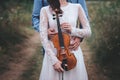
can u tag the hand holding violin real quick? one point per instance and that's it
(57, 66)
(66, 26)
(75, 40)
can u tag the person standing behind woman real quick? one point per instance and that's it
(38, 4)
(51, 68)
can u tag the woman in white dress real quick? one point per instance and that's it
(51, 68)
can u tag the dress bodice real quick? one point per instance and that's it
(67, 16)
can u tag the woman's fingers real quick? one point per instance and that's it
(66, 26)
(61, 69)
(58, 67)
(51, 32)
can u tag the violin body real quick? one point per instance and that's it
(67, 58)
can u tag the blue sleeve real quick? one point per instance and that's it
(36, 13)
(38, 4)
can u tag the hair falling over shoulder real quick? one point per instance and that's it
(55, 4)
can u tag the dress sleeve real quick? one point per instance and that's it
(44, 36)
(86, 30)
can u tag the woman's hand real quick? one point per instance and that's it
(57, 66)
(75, 40)
(66, 27)
(51, 32)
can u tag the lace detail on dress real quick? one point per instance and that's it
(70, 15)
(44, 36)
(86, 30)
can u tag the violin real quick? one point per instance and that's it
(61, 42)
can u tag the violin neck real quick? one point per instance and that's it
(61, 41)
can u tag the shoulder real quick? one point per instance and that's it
(44, 8)
(77, 5)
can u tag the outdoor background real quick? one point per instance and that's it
(20, 48)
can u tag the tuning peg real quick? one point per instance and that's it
(54, 18)
(53, 14)
(60, 15)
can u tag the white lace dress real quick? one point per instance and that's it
(71, 13)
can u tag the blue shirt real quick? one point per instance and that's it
(38, 4)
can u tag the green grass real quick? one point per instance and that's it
(105, 37)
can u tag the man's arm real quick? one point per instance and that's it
(36, 13)
(38, 4)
